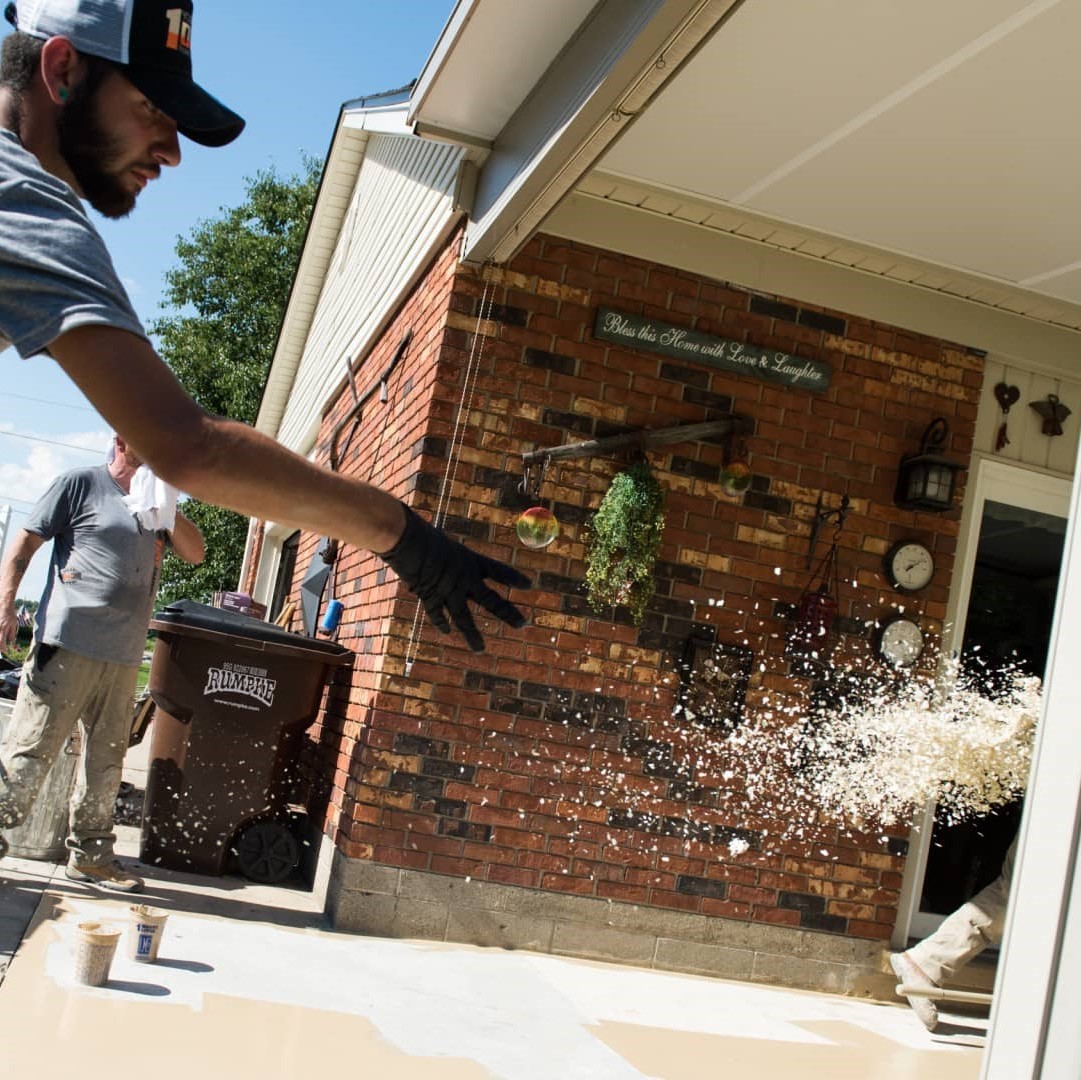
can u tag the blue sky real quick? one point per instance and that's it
(286, 68)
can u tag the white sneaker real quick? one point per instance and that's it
(909, 973)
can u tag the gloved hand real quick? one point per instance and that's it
(446, 574)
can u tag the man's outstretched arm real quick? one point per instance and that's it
(230, 464)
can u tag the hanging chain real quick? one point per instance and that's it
(465, 405)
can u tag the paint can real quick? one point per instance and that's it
(145, 932)
(331, 617)
(95, 946)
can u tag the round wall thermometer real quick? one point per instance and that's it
(900, 642)
(909, 566)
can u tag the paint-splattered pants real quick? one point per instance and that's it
(59, 689)
(969, 930)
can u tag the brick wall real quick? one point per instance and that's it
(552, 761)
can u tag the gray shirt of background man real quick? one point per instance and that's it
(104, 569)
(57, 272)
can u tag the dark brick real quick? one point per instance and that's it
(558, 583)
(568, 421)
(724, 834)
(759, 483)
(635, 819)
(558, 695)
(454, 808)
(462, 526)
(480, 680)
(465, 830)
(683, 466)
(700, 886)
(504, 313)
(852, 627)
(721, 402)
(690, 376)
(832, 924)
(571, 515)
(565, 365)
(669, 571)
(760, 305)
(774, 504)
(897, 846)
(448, 770)
(565, 714)
(417, 744)
(429, 483)
(606, 428)
(419, 785)
(532, 710)
(817, 321)
(802, 902)
(603, 704)
(431, 445)
(683, 791)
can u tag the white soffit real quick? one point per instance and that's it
(939, 133)
(487, 60)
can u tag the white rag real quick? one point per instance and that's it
(152, 501)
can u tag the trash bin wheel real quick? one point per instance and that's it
(267, 852)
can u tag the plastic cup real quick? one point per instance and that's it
(95, 946)
(144, 933)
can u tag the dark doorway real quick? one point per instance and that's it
(1007, 626)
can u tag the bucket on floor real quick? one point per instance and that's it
(95, 946)
(145, 931)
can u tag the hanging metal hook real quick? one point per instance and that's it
(821, 518)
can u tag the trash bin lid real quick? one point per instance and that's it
(187, 616)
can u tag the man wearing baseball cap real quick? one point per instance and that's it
(93, 96)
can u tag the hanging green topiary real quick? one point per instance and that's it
(624, 537)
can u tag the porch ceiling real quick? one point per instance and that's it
(923, 134)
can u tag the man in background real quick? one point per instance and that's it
(89, 637)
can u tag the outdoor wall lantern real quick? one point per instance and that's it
(926, 480)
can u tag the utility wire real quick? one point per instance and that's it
(46, 401)
(51, 442)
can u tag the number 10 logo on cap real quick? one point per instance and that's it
(179, 37)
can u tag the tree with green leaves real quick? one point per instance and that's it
(224, 305)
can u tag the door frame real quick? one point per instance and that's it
(990, 480)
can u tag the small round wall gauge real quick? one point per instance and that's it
(909, 566)
(900, 642)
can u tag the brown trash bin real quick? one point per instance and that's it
(233, 697)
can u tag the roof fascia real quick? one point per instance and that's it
(433, 67)
(616, 63)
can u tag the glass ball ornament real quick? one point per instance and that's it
(537, 527)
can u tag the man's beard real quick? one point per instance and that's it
(92, 153)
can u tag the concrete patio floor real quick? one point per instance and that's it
(251, 982)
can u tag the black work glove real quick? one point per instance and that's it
(446, 574)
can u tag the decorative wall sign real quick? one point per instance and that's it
(650, 335)
(713, 682)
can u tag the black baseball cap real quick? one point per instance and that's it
(150, 41)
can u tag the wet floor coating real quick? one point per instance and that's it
(245, 999)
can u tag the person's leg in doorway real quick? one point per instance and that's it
(963, 935)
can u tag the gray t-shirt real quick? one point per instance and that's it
(55, 271)
(104, 569)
